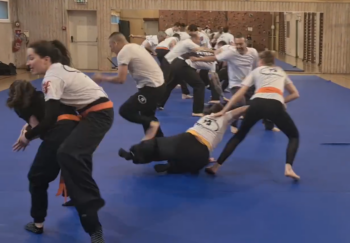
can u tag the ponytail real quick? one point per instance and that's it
(65, 55)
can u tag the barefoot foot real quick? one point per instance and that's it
(289, 172)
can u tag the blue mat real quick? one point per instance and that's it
(249, 201)
(287, 67)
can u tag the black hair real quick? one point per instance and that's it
(192, 27)
(20, 94)
(213, 108)
(177, 36)
(222, 43)
(57, 52)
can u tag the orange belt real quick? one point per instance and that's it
(269, 90)
(105, 105)
(162, 48)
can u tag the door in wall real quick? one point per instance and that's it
(83, 36)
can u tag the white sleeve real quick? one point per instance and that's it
(123, 58)
(288, 80)
(225, 55)
(248, 81)
(52, 88)
(190, 45)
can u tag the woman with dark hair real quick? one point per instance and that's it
(63, 84)
(202, 138)
(29, 105)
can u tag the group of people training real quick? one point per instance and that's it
(72, 113)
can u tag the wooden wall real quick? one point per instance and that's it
(237, 22)
(44, 19)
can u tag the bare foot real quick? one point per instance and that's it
(289, 172)
(214, 102)
(234, 130)
(212, 160)
(185, 97)
(275, 129)
(212, 170)
(152, 130)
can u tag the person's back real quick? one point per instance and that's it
(270, 82)
(211, 129)
(180, 49)
(142, 66)
(77, 89)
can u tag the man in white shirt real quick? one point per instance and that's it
(151, 41)
(166, 45)
(241, 60)
(226, 36)
(172, 30)
(171, 72)
(141, 107)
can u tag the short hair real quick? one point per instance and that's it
(177, 24)
(214, 108)
(267, 57)
(226, 29)
(162, 34)
(239, 35)
(176, 35)
(183, 25)
(192, 27)
(117, 36)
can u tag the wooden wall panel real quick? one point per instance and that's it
(44, 18)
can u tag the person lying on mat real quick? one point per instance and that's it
(202, 139)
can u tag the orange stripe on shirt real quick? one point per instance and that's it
(269, 90)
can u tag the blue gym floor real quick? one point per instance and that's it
(249, 201)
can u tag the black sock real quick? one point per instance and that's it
(32, 228)
(97, 236)
(125, 154)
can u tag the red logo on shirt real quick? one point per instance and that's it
(46, 86)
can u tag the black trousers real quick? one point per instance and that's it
(141, 107)
(169, 76)
(223, 76)
(45, 168)
(204, 75)
(75, 158)
(265, 109)
(182, 71)
(161, 54)
(183, 152)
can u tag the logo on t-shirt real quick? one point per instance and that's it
(46, 86)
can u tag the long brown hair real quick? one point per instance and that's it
(20, 94)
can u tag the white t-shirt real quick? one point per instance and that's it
(268, 77)
(170, 32)
(212, 129)
(181, 48)
(152, 40)
(184, 35)
(211, 66)
(70, 86)
(166, 43)
(227, 37)
(142, 66)
(238, 66)
(205, 42)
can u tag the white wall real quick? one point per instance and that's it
(293, 37)
(6, 33)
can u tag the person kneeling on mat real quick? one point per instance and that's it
(202, 138)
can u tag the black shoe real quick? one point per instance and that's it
(32, 228)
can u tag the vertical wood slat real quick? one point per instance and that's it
(44, 19)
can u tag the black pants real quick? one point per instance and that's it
(161, 54)
(223, 76)
(75, 158)
(141, 107)
(182, 71)
(169, 76)
(265, 109)
(183, 152)
(204, 75)
(45, 168)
